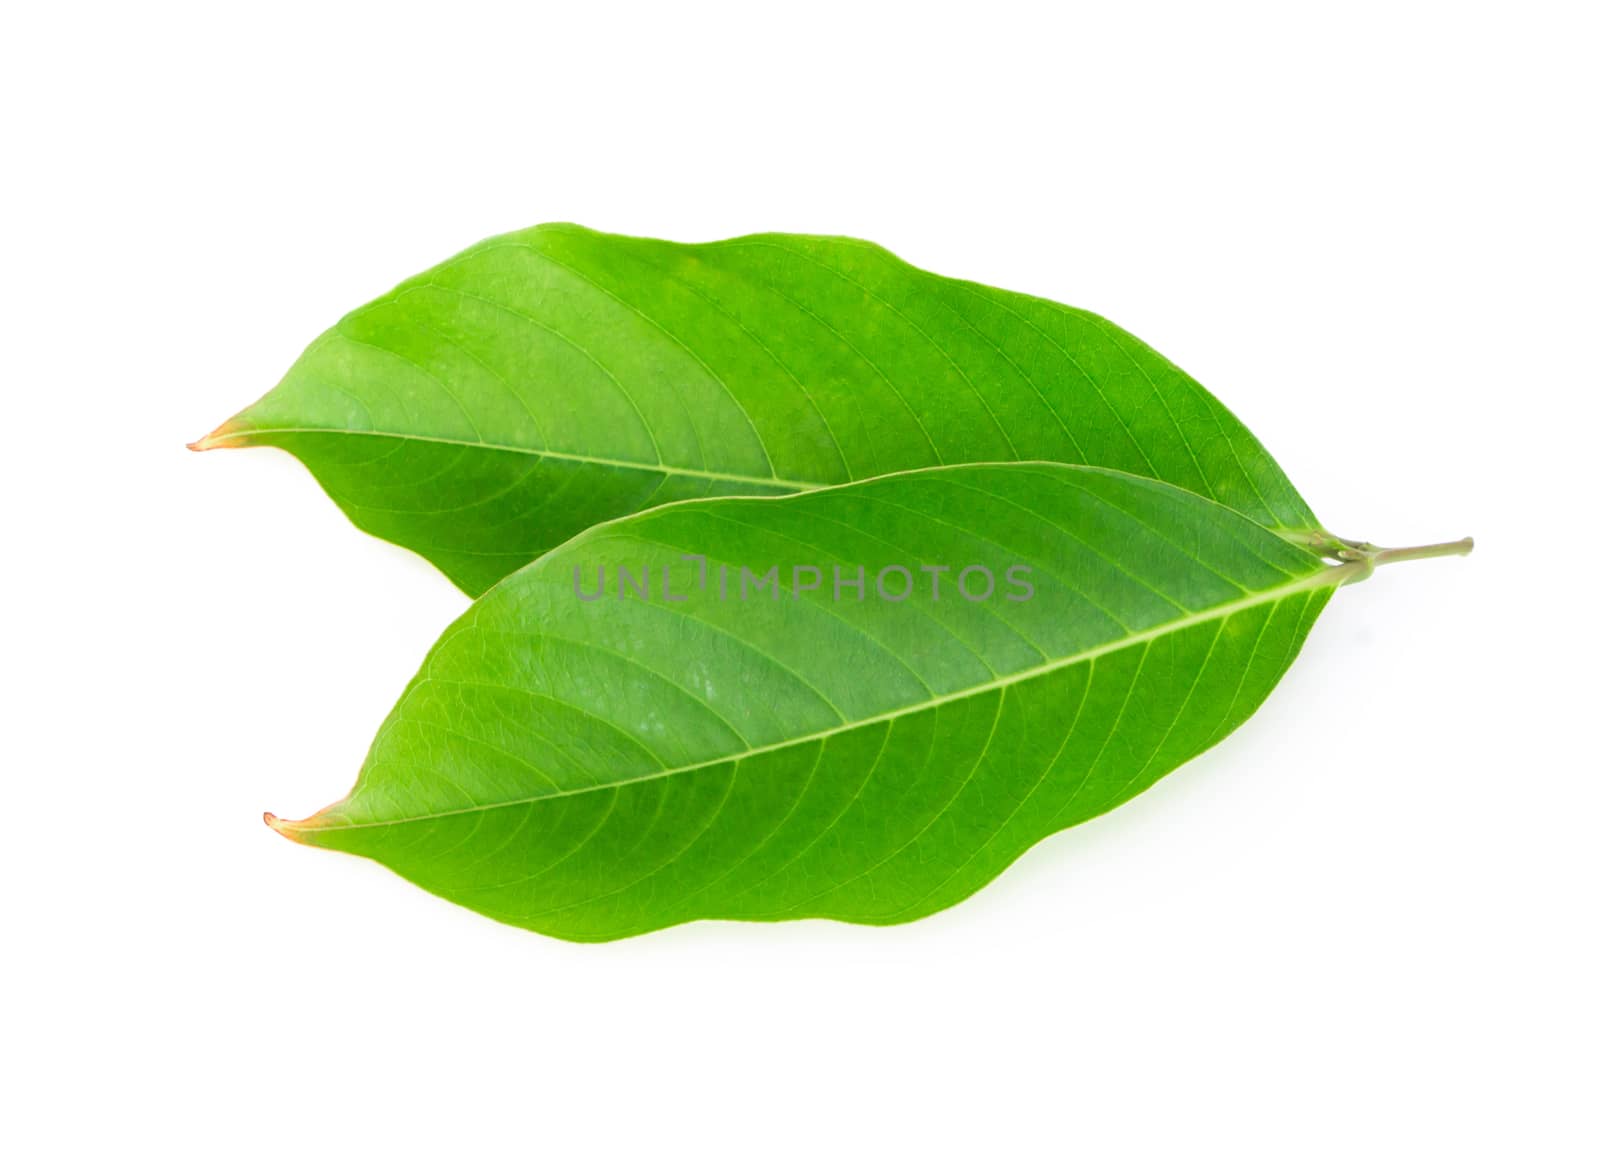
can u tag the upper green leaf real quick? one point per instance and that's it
(544, 381)
(711, 748)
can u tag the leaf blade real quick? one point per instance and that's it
(543, 381)
(593, 770)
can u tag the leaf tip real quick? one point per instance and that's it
(285, 828)
(216, 438)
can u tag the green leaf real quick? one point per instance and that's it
(548, 380)
(595, 769)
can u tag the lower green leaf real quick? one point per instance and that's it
(836, 737)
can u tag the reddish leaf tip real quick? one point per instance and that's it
(285, 828)
(214, 439)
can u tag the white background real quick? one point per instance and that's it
(1365, 924)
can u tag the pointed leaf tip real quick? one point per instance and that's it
(288, 829)
(214, 439)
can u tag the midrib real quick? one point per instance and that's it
(559, 455)
(1327, 576)
(1296, 535)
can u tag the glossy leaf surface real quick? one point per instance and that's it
(548, 380)
(595, 769)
